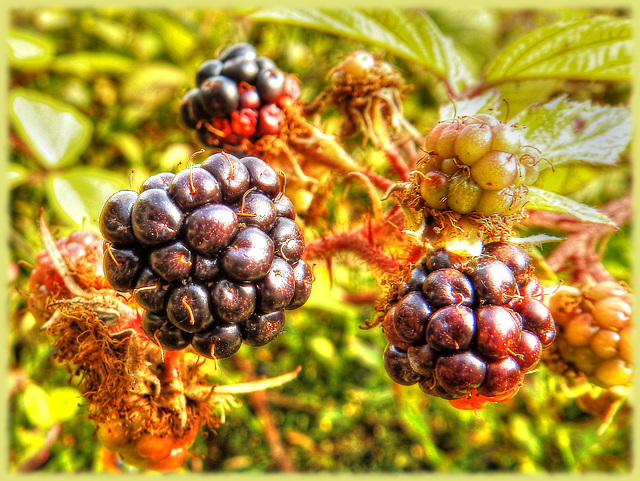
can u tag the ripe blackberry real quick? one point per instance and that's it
(595, 332)
(238, 97)
(476, 164)
(212, 254)
(464, 328)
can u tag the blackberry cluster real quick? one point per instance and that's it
(477, 164)
(212, 254)
(467, 329)
(595, 332)
(239, 97)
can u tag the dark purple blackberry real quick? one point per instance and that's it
(288, 239)
(493, 281)
(150, 291)
(411, 317)
(278, 286)
(241, 69)
(222, 340)
(163, 333)
(219, 96)
(269, 84)
(460, 327)
(192, 188)
(155, 218)
(259, 330)
(199, 256)
(238, 98)
(211, 228)
(241, 49)
(160, 181)
(446, 287)
(460, 372)
(233, 302)
(451, 328)
(121, 266)
(303, 279)
(208, 68)
(231, 174)
(172, 262)
(257, 210)
(396, 363)
(249, 257)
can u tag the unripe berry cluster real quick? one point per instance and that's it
(477, 164)
(158, 453)
(468, 329)
(239, 97)
(212, 254)
(82, 250)
(595, 331)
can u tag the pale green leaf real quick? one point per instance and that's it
(64, 403)
(56, 132)
(544, 200)
(488, 102)
(591, 48)
(410, 34)
(28, 51)
(153, 84)
(16, 174)
(88, 65)
(79, 194)
(179, 40)
(577, 131)
(35, 404)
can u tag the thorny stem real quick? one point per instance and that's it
(358, 241)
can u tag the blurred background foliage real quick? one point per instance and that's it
(115, 77)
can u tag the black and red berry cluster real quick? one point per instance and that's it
(212, 254)
(464, 327)
(239, 97)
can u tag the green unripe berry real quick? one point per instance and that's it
(434, 135)
(473, 142)
(464, 194)
(506, 138)
(529, 158)
(429, 163)
(450, 166)
(495, 171)
(495, 201)
(434, 188)
(446, 143)
(358, 64)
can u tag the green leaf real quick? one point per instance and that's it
(591, 48)
(16, 174)
(79, 194)
(153, 84)
(63, 403)
(410, 34)
(88, 65)
(179, 40)
(35, 404)
(488, 102)
(56, 132)
(544, 200)
(577, 131)
(29, 52)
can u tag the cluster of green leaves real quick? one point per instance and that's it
(95, 94)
